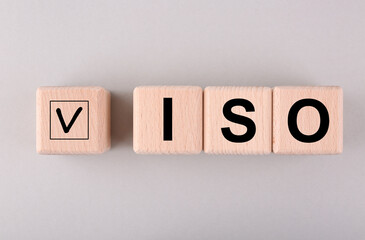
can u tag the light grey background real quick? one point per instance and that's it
(123, 44)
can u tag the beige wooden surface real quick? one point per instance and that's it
(214, 120)
(187, 119)
(308, 120)
(90, 132)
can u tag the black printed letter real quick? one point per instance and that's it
(251, 127)
(167, 119)
(293, 125)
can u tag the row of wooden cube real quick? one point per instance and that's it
(238, 120)
(187, 120)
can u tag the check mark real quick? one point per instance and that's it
(66, 129)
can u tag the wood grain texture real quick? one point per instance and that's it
(308, 120)
(214, 120)
(187, 119)
(90, 132)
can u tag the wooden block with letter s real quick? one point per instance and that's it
(73, 120)
(238, 120)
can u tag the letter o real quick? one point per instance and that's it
(293, 124)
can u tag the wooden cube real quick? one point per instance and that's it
(307, 120)
(73, 120)
(238, 120)
(167, 119)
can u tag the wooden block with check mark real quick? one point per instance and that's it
(73, 120)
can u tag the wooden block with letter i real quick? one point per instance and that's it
(167, 119)
(73, 120)
(307, 120)
(237, 120)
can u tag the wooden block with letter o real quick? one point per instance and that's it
(238, 120)
(307, 120)
(73, 120)
(167, 119)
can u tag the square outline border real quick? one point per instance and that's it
(50, 117)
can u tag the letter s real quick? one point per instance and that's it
(229, 115)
